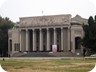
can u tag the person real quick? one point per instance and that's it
(84, 52)
(3, 59)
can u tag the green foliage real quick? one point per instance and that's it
(89, 40)
(5, 24)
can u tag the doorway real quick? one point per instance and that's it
(77, 43)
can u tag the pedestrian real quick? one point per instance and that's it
(84, 52)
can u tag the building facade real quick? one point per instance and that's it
(38, 34)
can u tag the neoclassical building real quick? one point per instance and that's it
(38, 34)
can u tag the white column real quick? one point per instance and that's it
(20, 40)
(34, 40)
(13, 49)
(26, 40)
(62, 38)
(68, 38)
(8, 46)
(48, 40)
(72, 41)
(41, 40)
(55, 36)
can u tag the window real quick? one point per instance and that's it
(17, 47)
(10, 45)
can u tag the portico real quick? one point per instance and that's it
(42, 39)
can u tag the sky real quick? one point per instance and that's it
(26, 8)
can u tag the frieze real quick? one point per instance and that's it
(45, 20)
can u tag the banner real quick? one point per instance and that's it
(54, 48)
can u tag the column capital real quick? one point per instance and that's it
(40, 29)
(26, 29)
(33, 29)
(20, 30)
(54, 28)
(69, 28)
(61, 27)
(47, 28)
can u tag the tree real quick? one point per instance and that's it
(5, 24)
(89, 40)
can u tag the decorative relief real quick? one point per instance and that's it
(42, 21)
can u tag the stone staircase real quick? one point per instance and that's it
(62, 54)
(44, 54)
(18, 54)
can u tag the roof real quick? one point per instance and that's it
(79, 19)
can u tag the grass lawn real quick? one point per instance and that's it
(52, 65)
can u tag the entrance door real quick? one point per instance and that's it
(77, 43)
